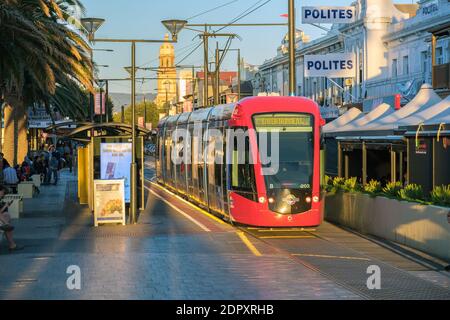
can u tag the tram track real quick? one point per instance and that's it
(336, 262)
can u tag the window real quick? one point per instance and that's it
(394, 68)
(423, 61)
(439, 56)
(293, 167)
(406, 65)
(242, 171)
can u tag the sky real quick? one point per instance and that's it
(142, 19)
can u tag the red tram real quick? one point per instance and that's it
(232, 180)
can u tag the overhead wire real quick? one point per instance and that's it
(211, 10)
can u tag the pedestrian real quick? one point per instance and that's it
(5, 223)
(46, 160)
(10, 176)
(53, 168)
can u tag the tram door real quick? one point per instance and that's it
(201, 169)
(168, 162)
(215, 167)
(197, 165)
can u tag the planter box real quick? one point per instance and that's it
(423, 227)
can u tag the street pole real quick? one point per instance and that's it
(106, 102)
(205, 68)
(292, 82)
(101, 105)
(122, 118)
(133, 204)
(217, 75)
(239, 75)
(92, 96)
(145, 113)
(167, 104)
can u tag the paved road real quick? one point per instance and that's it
(178, 252)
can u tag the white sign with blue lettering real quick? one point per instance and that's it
(333, 65)
(328, 14)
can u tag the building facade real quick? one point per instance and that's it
(392, 48)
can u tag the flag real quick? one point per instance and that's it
(284, 15)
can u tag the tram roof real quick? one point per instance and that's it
(217, 113)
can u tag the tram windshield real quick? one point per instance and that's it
(290, 135)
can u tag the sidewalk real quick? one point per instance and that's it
(43, 216)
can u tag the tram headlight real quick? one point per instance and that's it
(271, 200)
(262, 199)
(316, 199)
(308, 199)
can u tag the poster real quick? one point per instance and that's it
(109, 201)
(97, 103)
(115, 160)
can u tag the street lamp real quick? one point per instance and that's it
(174, 26)
(92, 25)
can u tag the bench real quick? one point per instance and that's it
(16, 207)
(26, 189)
(36, 178)
(12, 188)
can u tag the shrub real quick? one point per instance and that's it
(373, 187)
(441, 195)
(338, 182)
(411, 192)
(392, 189)
(351, 184)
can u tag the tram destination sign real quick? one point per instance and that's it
(267, 121)
(328, 14)
(333, 65)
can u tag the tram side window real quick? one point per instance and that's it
(243, 175)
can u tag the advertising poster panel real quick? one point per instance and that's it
(97, 104)
(109, 201)
(115, 160)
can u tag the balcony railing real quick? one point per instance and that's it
(441, 76)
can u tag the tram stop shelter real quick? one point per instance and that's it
(373, 146)
(429, 150)
(90, 137)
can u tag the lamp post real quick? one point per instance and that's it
(166, 88)
(292, 80)
(91, 26)
(101, 84)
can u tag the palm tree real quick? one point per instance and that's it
(44, 60)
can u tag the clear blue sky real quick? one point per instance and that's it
(141, 19)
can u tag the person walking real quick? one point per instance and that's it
(53, 168)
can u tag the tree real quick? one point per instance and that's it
(152, 113)
(43, 61)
